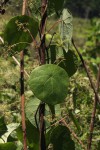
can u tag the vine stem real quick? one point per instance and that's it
(86, 69)
(22, 87)
(42, 50)
(89, 144)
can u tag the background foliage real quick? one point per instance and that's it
(78, 104)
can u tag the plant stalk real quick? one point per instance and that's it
(22, 87)
(86, 69)
(42, 61)
(89, 144)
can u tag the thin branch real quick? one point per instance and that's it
(34, 41)
(1, 39)
(17, 62)
(24, 7)
(98, 79)
(57, 122)
(89, 144)
(55, 24)
(86, 69)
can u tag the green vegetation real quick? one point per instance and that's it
(58, 114)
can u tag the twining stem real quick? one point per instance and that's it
(86, 69)
(42, 126)
(42, 50)
(93, 114)
(22, 87)
(42, 30)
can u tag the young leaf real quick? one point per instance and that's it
(19, 31)
(49, 83)
(3, 127)
(66, 28)
(61, 140)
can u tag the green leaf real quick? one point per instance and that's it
(17, 32)
(81, 95)
(55, 111)
(74, 119)
(3, 127)
(53, 53)
(19, 134)
(69, 63)
(61, 140)
(31, 107)
(55, 6)
(52, 109)
(32, 135)
(11, 139)
(98, 146)
(8, 146)
(48, 136)
(66, 28)
(49, 83)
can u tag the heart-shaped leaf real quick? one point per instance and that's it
(55, 6)
(69, 62)
(49, 83)
(31, 108)
(19, 31)
(66, 28)
(61, 140)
